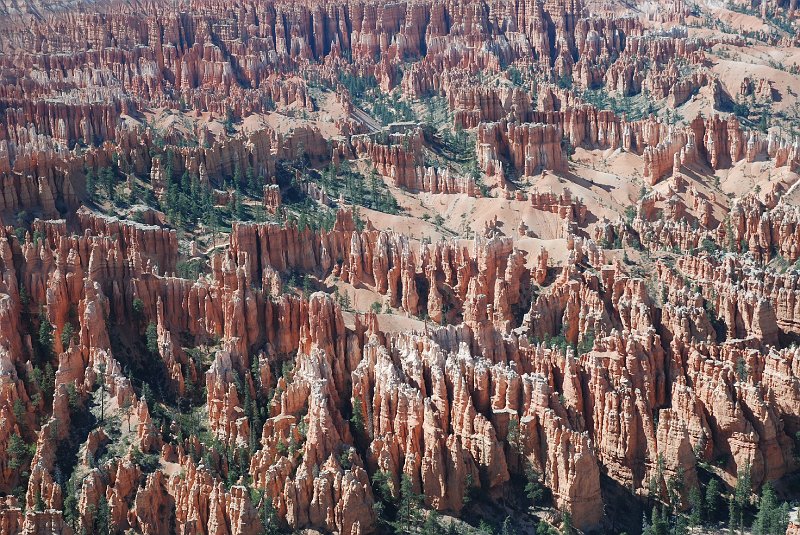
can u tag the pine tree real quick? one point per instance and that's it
(733, 514)
(101, 383)
(385, 505)
(409, 510)
(431, 525)
(138, 309)
(252, 182)
(126, 408)
(151, 336)
(18, 409)
(240, 212)
(108, 180)
(357, 418)
(45, 337)
(269, 517)
(49, 381)
(659, 524)
(534, 490)
(373, 182)
(484, 528)
(233, 206)
(18, 453)
(24, 298)
(771, 518)
(696, 503)
(680, 526)
(212, 221)
(102, 518)
(566, 523)
(66, 335)
(133, 194)
(741, 495)
(515, 436)
(229, 120)
(237, 176)
(71, 514)
(91, 184)
(712, 501)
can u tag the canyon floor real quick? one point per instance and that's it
(353, 267)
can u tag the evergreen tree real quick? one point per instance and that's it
(659, 524)
(410, 507)
(373, 183)
(19, 412)
(240, 209)
(45, 337)
(733, 514)
(252, 182)
(102, 517)
(24, 298)
(680, 526)
(91, 184)
(696, 503)
(108, 180)
(71, 514)
(385, 505)
(740, 499)
(534, 490)
(101, 383)
(18, 452)
(237, 176)
(484, 528)
(151, 336)
(566, 523)
(138, 309)
(713, 503)
(212, 221)
(49, 381)
(66, 335)
(269, 517)
(357, 418)
(133, 194)
(515, 437)
(431, 525)
(772, 518)
(229, 120)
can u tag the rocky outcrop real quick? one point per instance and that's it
(528, 148)
(630, 345)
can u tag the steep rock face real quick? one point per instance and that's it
(529, 148)
(398, 159)
(272, 198)
(473, 106)
(437, 407)
(766, 231)
(155, 244)
(564, 205)
(436, 180)
(748, 307)
(225, 413)
(415, 428)
(153, 506)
